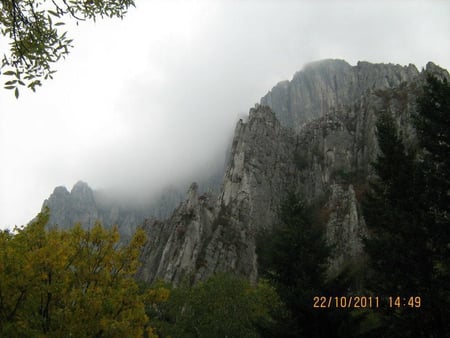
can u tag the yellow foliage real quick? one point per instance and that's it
(151, 333)
(70, 283)
(157, 295)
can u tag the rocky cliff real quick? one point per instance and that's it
(329, 84)
(314, 134)
(86, 206)
(205, 235)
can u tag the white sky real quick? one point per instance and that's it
(147, 101)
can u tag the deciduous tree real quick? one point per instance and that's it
(77, 283)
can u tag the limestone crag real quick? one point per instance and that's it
(83, 205)
(260, 168)
(329, 84)
(175, 245)
(322, 147)
(86, 206)
(220, 235)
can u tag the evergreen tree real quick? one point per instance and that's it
(433, 129)
(293, 257)
(398, 246)
(408, 218)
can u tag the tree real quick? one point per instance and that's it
(297, 249)
(76, 283)
(293, 256)
(433, 130)
(36, 40)
(408, 221)
(397, 246)
(225, 305)
(432, 123)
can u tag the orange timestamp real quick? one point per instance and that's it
(365, 302)
(345, 302)
(413, 302)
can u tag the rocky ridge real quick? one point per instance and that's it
(86, 206)
(315, 133)
(329, 84)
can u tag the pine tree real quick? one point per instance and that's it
(407, 215)
(398, 245)
(293, 257)
(393, 207)
(432, 123)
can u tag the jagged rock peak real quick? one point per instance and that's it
(192, 195)
(81, 188)
(327, 84)
(82, 193)
(262, 112)
(434, 69)
(325, 64)
(193, 188)
(60, 190)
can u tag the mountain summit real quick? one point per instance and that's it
(328, 84)
(314, 134)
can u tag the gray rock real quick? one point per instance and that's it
(314, 134)
(322, 147)
(86, 206)
(329, 84)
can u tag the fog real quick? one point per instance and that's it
(152, 100)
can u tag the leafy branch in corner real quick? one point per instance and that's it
(36, 39)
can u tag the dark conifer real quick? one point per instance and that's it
(433, 129)
(294, 256)
(407, 212)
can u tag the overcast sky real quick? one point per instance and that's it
(147, 101)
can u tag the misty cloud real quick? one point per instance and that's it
(153, 100)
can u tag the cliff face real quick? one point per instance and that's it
(86, 206)
(330, 84)
(83, 205)
(322, 147)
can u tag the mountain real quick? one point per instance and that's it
(328, 84)
(315, 134)
(86, 206)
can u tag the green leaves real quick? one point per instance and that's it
(69, 283)
(9, 73)
(36, 42)
(223, 306)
